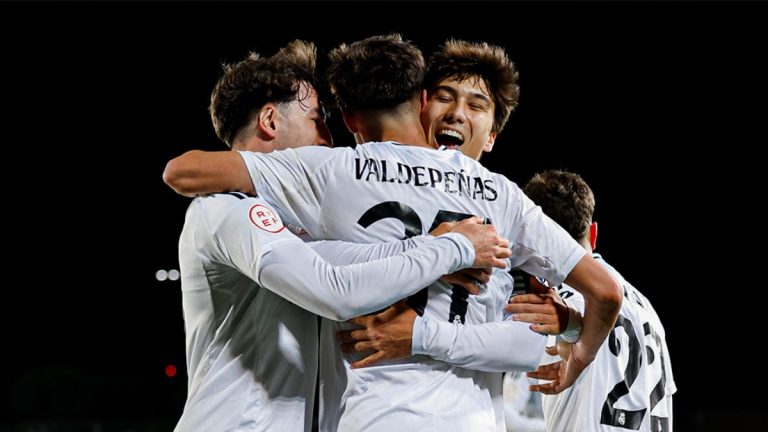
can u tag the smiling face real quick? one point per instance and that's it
(459, 115)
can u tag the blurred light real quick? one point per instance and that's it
(161, 275)
(173, 274)
(170, 371)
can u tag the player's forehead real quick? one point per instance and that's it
(472, 85)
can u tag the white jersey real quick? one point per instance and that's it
(252, 354)
(522, 407)
(386, 191)
(629, 385)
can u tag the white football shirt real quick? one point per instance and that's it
(386, 191)
(252, 354)
(629, 385)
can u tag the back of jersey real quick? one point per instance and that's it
(629, 385)
(383, 192)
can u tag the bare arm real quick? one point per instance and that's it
(198, 172)
(603, 296)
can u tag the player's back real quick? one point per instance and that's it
(386, 191)
(629, 385)
(251, 355)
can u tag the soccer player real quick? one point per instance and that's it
(384, 190)
(246, 280)
(629, 385)
(471, 91)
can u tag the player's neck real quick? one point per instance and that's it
(407, 132)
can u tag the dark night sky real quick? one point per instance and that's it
(655, 104)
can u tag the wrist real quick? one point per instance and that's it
(572, 331)
(580, 355)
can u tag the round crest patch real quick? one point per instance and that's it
(265, 218)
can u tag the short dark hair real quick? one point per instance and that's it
(249, 84)
(462, 60)
(376, 73)
(565, 197)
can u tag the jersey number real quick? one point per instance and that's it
(628, 419)
(413, 226)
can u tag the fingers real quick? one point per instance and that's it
(542, 308)
(470, 286)
(548, 388)
(547, 372)
(368, 361)
(491, 256)
(544, 329)
(528, 298)
(352, 336)
(482, 275)
(361, 321)
(459, 278)
(344, 336)
(472, 220)
(490, 249)
(534, 318)
(350, 347)
(389, 313)
(443, 228)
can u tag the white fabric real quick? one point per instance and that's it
(522, 408)
(497, 344)
(581, 406)
(385, 191)
(252, 355)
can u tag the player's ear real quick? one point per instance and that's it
(593, 235)
(268, 120)
(491, 141)
(349, 121)
(423, 101)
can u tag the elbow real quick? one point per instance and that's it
(343, 309)
(612, 295)
(177, 176)
(337, 312)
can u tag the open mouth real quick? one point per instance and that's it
(449, 138)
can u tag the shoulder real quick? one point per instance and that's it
(228, 210)
(221, 204)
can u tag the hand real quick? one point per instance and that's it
(388, 334)
(547, 313)
(443, 228)
(562, 373)
(490, 249)
(469, 278)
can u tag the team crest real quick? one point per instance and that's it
(265, 218)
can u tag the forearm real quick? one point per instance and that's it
(345, 253)
(342, 292)
(199, 172)
(493, 347)
(602, 295)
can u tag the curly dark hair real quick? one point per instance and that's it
(463, 60)
(565, 197)
(376, 73)
(249, 84)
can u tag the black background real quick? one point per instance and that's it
(658, 105)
